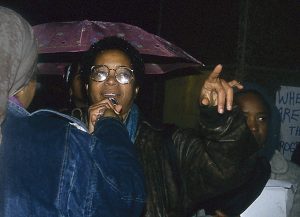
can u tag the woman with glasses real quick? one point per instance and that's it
(111, 85)
(183, 167)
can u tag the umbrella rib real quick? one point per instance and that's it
(81, 33)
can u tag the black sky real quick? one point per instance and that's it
(206, 29)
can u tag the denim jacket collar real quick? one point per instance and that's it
(17, 109)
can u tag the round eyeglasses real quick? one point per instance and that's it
(100, 73)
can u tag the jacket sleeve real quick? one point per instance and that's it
(117, 165)
(217, 158)
(236, 201)
(101, 174)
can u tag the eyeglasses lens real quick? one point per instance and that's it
(122, 74)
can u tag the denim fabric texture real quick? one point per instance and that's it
(51, 168)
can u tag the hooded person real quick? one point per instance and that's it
(264, 120)
(49, 164)
(272, 141)
(18, 56)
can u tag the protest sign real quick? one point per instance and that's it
(288, 104)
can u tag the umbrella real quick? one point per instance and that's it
(58, 42)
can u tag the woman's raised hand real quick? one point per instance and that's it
(104, 108)
(217, 91)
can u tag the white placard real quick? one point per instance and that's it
(275, 200)
(288, 103)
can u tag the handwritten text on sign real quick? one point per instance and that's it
(288, 103)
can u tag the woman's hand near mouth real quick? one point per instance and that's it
(104, 108)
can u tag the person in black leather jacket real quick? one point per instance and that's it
(183, 167)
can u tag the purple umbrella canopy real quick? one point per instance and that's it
(78, 36)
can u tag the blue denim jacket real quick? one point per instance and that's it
(51, 168)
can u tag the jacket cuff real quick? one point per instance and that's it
(107, 122)
(209, 115)
(213, 124)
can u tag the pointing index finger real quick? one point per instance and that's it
(215, 73)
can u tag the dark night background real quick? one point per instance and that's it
(257, 39)
(209, 30)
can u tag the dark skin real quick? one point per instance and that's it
(26, 93)
(256, 115)
(97, 91)
(215, 91)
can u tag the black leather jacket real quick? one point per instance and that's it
(186, 167)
